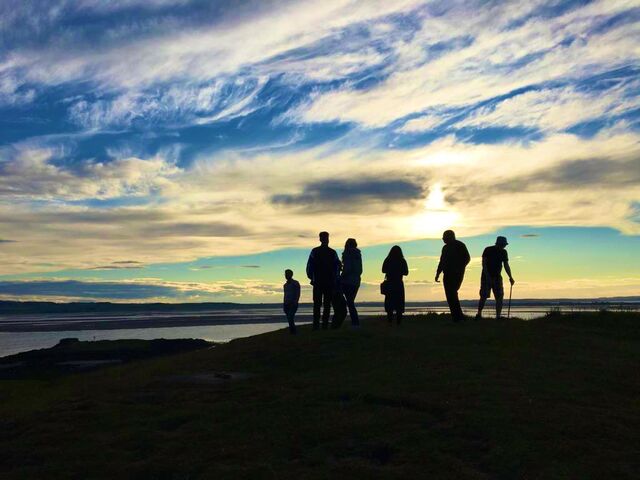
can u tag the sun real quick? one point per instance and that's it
(436, 217)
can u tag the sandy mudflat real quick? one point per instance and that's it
(46, 323)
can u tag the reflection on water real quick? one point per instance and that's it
(243, 323)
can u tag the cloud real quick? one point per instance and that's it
(352, 195)
(32, 172)
(220, 99)
(183, 47)
(512, 48)
(183, 230)
(529, 235)
(556, 108)
(221, 267)
(120, 266)
(420, 124)
(234, 204)
(584, 173)
(139, 290)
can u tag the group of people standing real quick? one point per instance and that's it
(336, 281)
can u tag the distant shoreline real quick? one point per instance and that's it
(8, 307)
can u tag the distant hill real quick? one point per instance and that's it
(15, 307)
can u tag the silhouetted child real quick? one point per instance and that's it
(291, 299)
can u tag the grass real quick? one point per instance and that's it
(553, 398)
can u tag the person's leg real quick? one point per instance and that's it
(350, 292)
(291, 314)
(485, 290)
(498, 306)
(451, 294)
(459, 280)
(327, 295)
(390, 316)
(481, 304)
(498, 294)
(317, 302)
(398, 317)
(339, 309)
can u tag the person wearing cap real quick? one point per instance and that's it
(453, 261)
(493, 258)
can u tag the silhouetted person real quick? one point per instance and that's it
(291, 299)
(323, 268)
(493, 258)
(350, 278)
(453, 260)
(394, 267)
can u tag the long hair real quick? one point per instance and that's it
(350, 243)
(395, 253)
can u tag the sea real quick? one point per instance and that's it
(23, 332)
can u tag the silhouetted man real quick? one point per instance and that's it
(493, 258)
(323, 268)
(453, 260)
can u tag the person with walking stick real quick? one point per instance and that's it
(493, 258)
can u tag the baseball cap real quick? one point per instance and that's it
(502, 241)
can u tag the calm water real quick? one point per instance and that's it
(216, 326)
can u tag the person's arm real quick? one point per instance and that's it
(297, 291)
(485, 269)
(384, 266)
(405, 268)
(338, 264)
(440, 265)
(310, 267)
(467, 257)
(507, 269)
(347, 265)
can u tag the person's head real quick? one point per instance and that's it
(288, 274)
(395, 253)
(448, 236)
(350, 243)
(501, 242)
(324, 238)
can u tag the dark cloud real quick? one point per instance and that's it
(100, 217)
(352, 194)
(117, 267)
(221, 267)
(213, 229)
(4, 240)
(579, 173)
(71, 289)
(529, 235)
(571, 175)
(76, 289)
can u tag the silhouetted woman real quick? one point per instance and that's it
(394, 267)
(350, 278)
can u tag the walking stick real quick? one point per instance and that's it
(509, 307)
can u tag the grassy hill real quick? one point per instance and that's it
(554, 398)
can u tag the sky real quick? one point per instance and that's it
(191, 150)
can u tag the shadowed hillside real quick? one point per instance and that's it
(550, 398)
